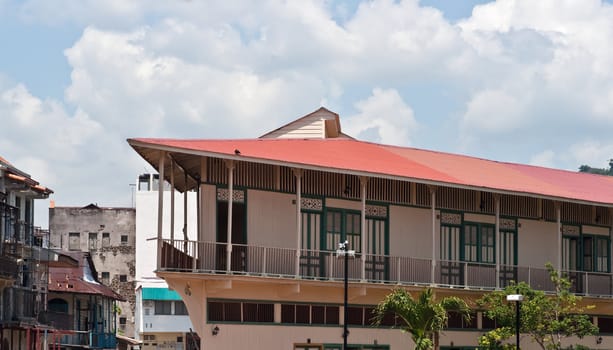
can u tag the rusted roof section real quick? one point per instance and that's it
(74, 275)
(4, 161)
(371, 159)
(19, 176)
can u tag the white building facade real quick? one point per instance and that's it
(161, 318)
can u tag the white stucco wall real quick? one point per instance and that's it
(146, 227)
(411, 232)
(271, 219)
(537, 243)
(208, 212)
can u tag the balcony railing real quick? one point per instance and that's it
(91, 340)
(20, 304)
(57, 320)
(8, 267)
(178, 255)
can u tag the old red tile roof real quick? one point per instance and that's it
(19, 176)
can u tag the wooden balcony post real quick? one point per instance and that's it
(298, 175)
(363, 233)
(558, 208)
(185, 237)
(172, 201)
(433, 208)
(230, 165)
(160, 207)
(201, 214)
(497, 239)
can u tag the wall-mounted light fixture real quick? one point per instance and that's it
(215, 330)
(598, 340)
(188, 289)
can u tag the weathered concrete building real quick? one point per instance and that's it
(23, 260)
(108, 235)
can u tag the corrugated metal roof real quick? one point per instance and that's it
(365, 158)
(72, 276)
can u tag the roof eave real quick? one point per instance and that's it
(163, 148)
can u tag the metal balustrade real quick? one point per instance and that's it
(178, 255)
(91, 340)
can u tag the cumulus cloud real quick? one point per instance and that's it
(593, 153)
(545, 158)
(68, 152)
(131, 87)
(494, 111)
(383, 117)
(519, 80)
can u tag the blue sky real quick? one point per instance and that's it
(510, 80)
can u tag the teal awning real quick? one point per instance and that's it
(160, 294)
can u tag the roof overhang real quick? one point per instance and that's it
(544, 183)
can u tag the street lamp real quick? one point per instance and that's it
(342, 251)
(517, 298)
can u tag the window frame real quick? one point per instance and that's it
(74, 238)
(162, 307)
(484, 234)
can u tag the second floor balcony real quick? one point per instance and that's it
(83, 339)
(8, 268)
(253, 260)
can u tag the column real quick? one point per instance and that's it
(230, 166)
(433, 208)
(364, 231)
(185, 237)
(558, 207)
(160, 207)
(497, 238)
(172, 201)
(298, 175)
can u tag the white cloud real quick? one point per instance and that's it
(545, 158)
(494, 111)
(593, 153)
(130, 87)
(535, 71)
(566, 43)
(383, 117)
(70, 153)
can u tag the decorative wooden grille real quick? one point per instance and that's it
(455, 198)
(386, 190)
(518, 206)
(422, 197)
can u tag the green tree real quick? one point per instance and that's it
(547, 319)
(600, 171)
(422, 318)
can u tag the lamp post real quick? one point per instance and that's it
(517, 298)
(342, 251)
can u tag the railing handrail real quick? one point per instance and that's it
(322, 264)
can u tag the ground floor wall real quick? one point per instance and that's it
(202, 296)
(163, 341)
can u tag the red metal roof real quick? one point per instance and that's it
(366, 158)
